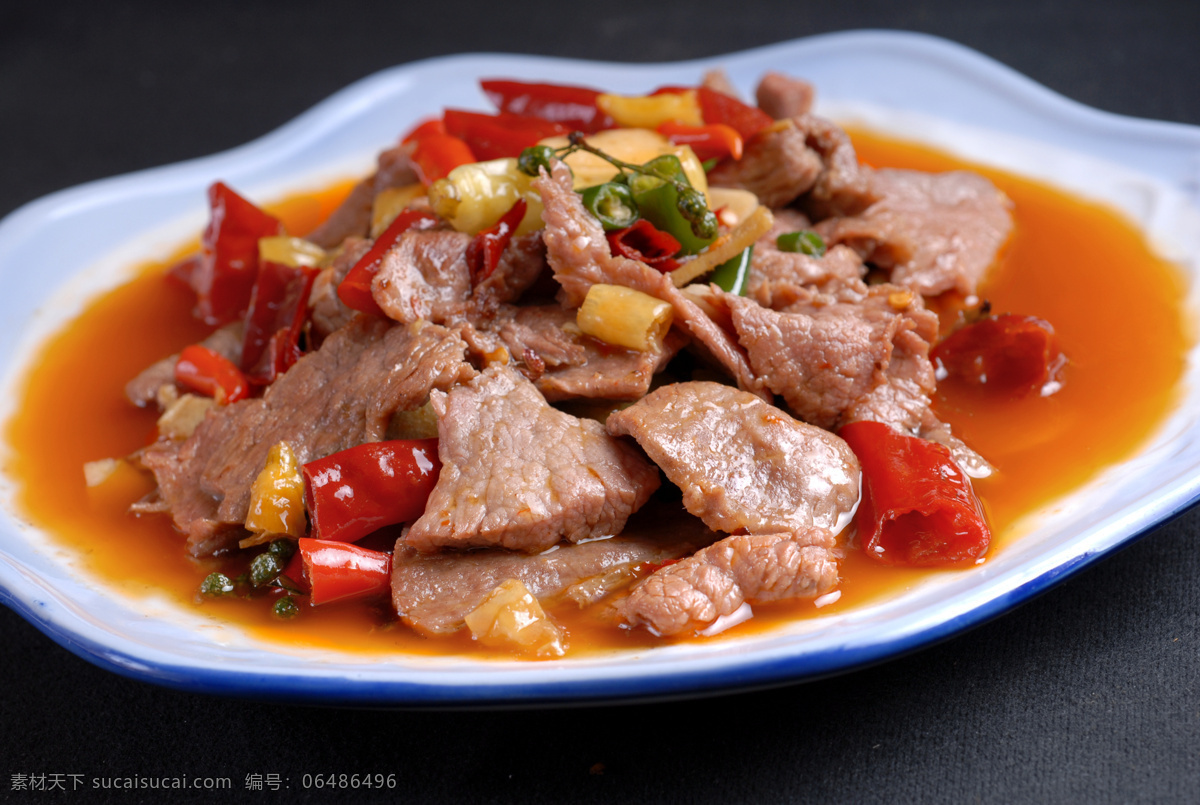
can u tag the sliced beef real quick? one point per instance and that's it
(843, 188)
(521, 265)
(547, 476)
(823, 352)
(580, 257)
(716, 581)
(142, 391)
(424, 276)
(743, 464)
(772, 267)
(777, 166)
(782, 96)
(394, 168)
(342, 395)
(433, 592)
(328, 311)
(934, 232)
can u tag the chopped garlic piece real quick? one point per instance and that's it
(510, 617)
(184, 415)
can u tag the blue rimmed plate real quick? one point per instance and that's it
(913, 86)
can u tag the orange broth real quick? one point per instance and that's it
(1079, 265)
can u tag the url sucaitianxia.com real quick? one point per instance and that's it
(59, 781)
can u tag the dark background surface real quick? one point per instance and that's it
(1090, 692)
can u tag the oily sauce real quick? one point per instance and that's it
(1116, 307)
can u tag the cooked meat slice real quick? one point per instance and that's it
(772, 267)
(777, 166)
(579, 255)
(142, 391)
(843, 187)
(328, 311)
(782, 96)
(433, 592)
(718, 80)
(337, 397)
(521, 265)
(743, 464)
(823, 354)
(394, 168)
(934, 232)
(547, 476)
(717, 580)
(424, 276)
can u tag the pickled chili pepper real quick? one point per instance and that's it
(337, 571)
(573, 107)
(734, 274)
(717, 107)
(355, 289)
(1006, 355)
(485, 249)
(353, 492)
(432, 126)
(612, 203)
(918, 507)
(710, 141)
(660, 201)
(223, 276)
(646, 243)
(501, 135)
(275, 320)
(206, 372)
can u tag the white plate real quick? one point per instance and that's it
(913, 85)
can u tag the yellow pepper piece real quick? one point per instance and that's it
(651, 111)
(624, 317)
(474, 197)
(277, 497)
(294, 252)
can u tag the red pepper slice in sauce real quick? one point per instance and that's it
(1009, 355)
(337, 571)
(355, 289)
(206, 372)
(573, 107)
(224, 275)
(645, 242)
(918, 508)
(484, 251)
(275, 320)
(710, 141)
(500, 135)
(719, 108)
(353, 492)
(438, 154)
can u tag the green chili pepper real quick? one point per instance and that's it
(264, 569)
(805, 241)
(734, 273)
(216, 584)
(286, 608)
(612, 204)
(658, 201)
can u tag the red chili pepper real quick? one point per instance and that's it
(438, 154)
(645, 242)
(353, 492)
(573, 107)
(224, 276)
(355, 289)
(275, 320)
(1010, 355)
(203, 371)
(711, 141)
(432, 126)
(484, 251)
(501, 135)
(917, 508)
(338, 572)
(717, 107)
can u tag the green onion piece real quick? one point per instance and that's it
(264, 569)
(216, 584)
(805, 241)
(286, 608)
(612, 204)
(733, 275)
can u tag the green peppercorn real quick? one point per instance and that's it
(215, 585)
(805, 241)
(286, 608)
(533, 158)
(283, 548)
(264, 569)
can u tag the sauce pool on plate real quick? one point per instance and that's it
(1115, 306)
